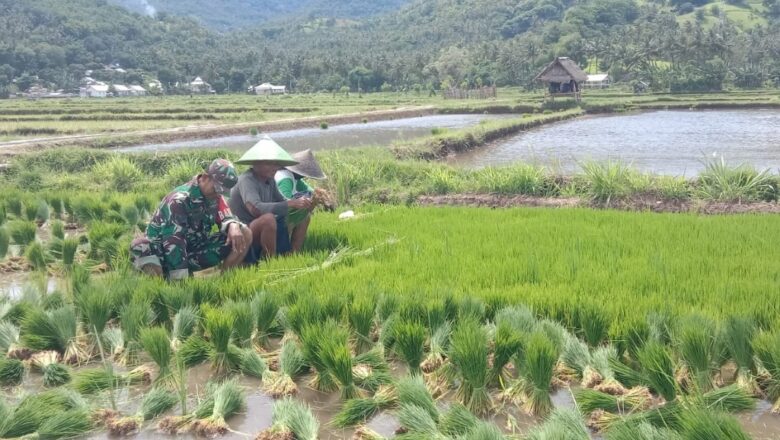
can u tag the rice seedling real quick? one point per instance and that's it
(195, 350)
(409, 344)
(14, 204)
(506, 344)
(471, 308)
(291, 364)
(66, 424)
(228, 400)
(131, 215)
(575, 355)
(469, 355)
(291, 419)
(387, 332)
(701, 424)
(371, 371)
(42, 212)
(243, 322)
(54, 373)
(133, 317)
(358, 410)
(419, 422)
(738, 334)
(157, 344)
(181, 424)
(94, 380)
(95, 309)
(69, 248)
(439, 344)
(658, 370)
(695, 340)
(58, 229)
(155, 402)
(457, 420)
(10, 345)
(601, 359)
(53, 330)
(313, 340)
(412, 391)
(219, 326)
(642, 430)
(484, 431)
(338, 360)
(766, 346)
(361, 320)
(5, 241)
(266, 309)
(11, 372)
(625, 374)
(593, 324)
(185, 321)
(251, 364)
(562, 423)
(35, 255)
(732, 398)
(537, 371)
(589, 401)
(31, 412)
(22, 232)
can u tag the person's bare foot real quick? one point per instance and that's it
(152, 270)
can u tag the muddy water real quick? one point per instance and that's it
(664, 142)
(379, 133)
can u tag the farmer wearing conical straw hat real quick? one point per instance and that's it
(291, 184)
(257, 202)
(179, 240)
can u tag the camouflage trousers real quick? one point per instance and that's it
(168, 255)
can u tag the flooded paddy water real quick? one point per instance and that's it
(664, 142)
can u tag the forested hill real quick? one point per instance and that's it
(226, 15)
(670, 44)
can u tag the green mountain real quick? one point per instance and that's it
(232, 14)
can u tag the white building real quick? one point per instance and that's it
(269, 89)
(121, 90)
(597, 81)
(96, 90)
(199, 86)
(137, 91)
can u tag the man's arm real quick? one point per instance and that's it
(255, 205)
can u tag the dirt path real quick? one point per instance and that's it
(11, 148)
(642, 203)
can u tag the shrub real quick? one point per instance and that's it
(179, 173)
(324, 125)
(119, 172)
(719, 181)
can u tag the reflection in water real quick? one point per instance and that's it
(379, 133)
(664, 142)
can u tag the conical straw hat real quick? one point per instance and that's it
(307, 165)
(266, 150)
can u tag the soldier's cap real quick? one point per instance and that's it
(224, 175)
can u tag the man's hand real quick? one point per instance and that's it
(235, 238)
(301, 203)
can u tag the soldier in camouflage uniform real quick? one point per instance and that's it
(193, 228)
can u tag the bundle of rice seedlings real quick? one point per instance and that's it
(469, 356)
(387, 333)
(625, 374)
(10, 345)
(695, 340)
(576, 356)
(93, 381)
(22, 233)
(766, 346)
(243, 322)
(439, 344)
(155, 402)
(306, 311)
(457, 420)
(658, 369)
(601, 359)
(702, 424)
(418, 423)
(592, 400)
(484, 431)
(537, 371)
(228, 400)
(291, 365)
(313, 340)
(185, 321)
(593, 324)
(266, 308)
(181, 424)
(732, 398)
(409, 344)
(338, 361)
(291, 420)
(67, 424)
(361, 320)
(33, 410)
(219, 326)
(53, 330)
(156, 343)
(436, 311)
(5, 241)
(471, 308)
(58, 229)
(370, 370)
(54, 373)
(133, 317)
(195, 350)
(365, 433)
(11, 371)
(69, 248)
(412, 391)
(35, 255)
(562, 423)
(359, 410)
(738, 334)
(506, 344)
(250, 363)
(640, 430)
(95, 309)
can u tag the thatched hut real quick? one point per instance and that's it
(563, 78)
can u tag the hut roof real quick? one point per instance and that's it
(562, 69)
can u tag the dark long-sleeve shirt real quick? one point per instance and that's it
(263, 195)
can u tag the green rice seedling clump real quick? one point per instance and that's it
(291, 364)
(58, 229)
(195, 350)
(54, 373)
(537, 372)
(640, 430)
(469, 355)
(409, 344)
(67, 424)
(229, 398)
(359, 410)
(266, 309)
(701, 424)
(53, 330)
(695, 340)
(658, 370)
(766, 346)
(507, 343)
(738, 334)
(155, 403)
(219, 326)
(5, 241)
(291, 419)
(251, 364)
(412, 391)
(418, 422)
(243, 322)
(314, 339)
(361, 319)
(11, 372)
(185, 322)
(562, 423)
(36, 256)
(457, 420)
(338, 360)
(22, 232)
(157, 344)
(134, 317)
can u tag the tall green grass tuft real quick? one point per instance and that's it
(541, 355)
(121, 173)
(11, 372)
(696, 342)
(608, 181)
(507, 344)
(292, 419)
(409, 344)
(469, 355)
(157, 344)
(743, 183)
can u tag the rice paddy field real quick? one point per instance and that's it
(403, 321)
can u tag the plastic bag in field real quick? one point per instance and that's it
(347, 215)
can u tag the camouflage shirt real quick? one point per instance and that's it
(185, 218)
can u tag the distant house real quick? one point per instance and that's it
(597, 81)
(269, 89)
(563, 78)
(199, 86)
(137, 91)
(96, 90)
(121, 90)
(154, 84)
